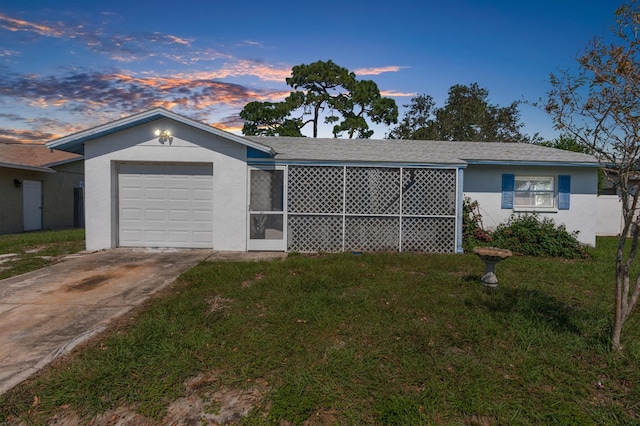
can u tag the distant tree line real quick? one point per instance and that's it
(325, 92)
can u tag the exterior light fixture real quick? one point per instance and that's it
(164, 136)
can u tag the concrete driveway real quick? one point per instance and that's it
(45, 313)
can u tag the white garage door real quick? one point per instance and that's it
(165, 205)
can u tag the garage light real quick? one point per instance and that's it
(164, 135)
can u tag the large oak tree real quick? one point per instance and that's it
(466, 116)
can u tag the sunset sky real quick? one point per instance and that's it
(69, 65)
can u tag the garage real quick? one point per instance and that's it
(165, 205)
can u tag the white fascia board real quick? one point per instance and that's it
(264, 162)
(531, 163)
(24, 167)
(70, 160)
(217, 132)
(75, 142)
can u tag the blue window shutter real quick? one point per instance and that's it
(564, 192)
(508, 184)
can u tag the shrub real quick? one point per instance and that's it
(473, 233)
(529, 235)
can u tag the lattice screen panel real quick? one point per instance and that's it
(372, 191)
(428, 234)
(363, 205)
(369, 233)
(315, 189)
(429, 192)
(315, 233)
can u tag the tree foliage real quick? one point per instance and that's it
(466, 116)
(599, 106)
(272, 118)
(567, 143)
(322, 91)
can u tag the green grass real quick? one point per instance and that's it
(38, 249)
(371, 339)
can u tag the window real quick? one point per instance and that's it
(534, 191)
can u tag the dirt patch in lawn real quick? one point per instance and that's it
(204, 403)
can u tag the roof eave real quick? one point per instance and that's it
(26, 167)
(75, 142)
(358, 163)
(67, 161)
(533, 163)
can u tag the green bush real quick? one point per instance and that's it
(529, 235)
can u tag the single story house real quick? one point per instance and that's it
(40, 188)
(159, 179)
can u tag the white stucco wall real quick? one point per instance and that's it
(609, 220)
(484, 184)
(139, 144)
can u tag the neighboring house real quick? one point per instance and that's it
(39, 188)
(609, 218)
(158, 179)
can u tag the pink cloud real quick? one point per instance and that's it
(394, 94)
(13, 24)
(378, 70)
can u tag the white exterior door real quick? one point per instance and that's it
(165, 205)
(32, 204)
(266, 219)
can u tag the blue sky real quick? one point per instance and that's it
(69, 65)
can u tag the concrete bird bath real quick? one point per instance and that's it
(490, 256)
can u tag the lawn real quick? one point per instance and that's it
(34, 250)
(363, 339)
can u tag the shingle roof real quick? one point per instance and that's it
(351, 150)
(34, 157)
(417, 152)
